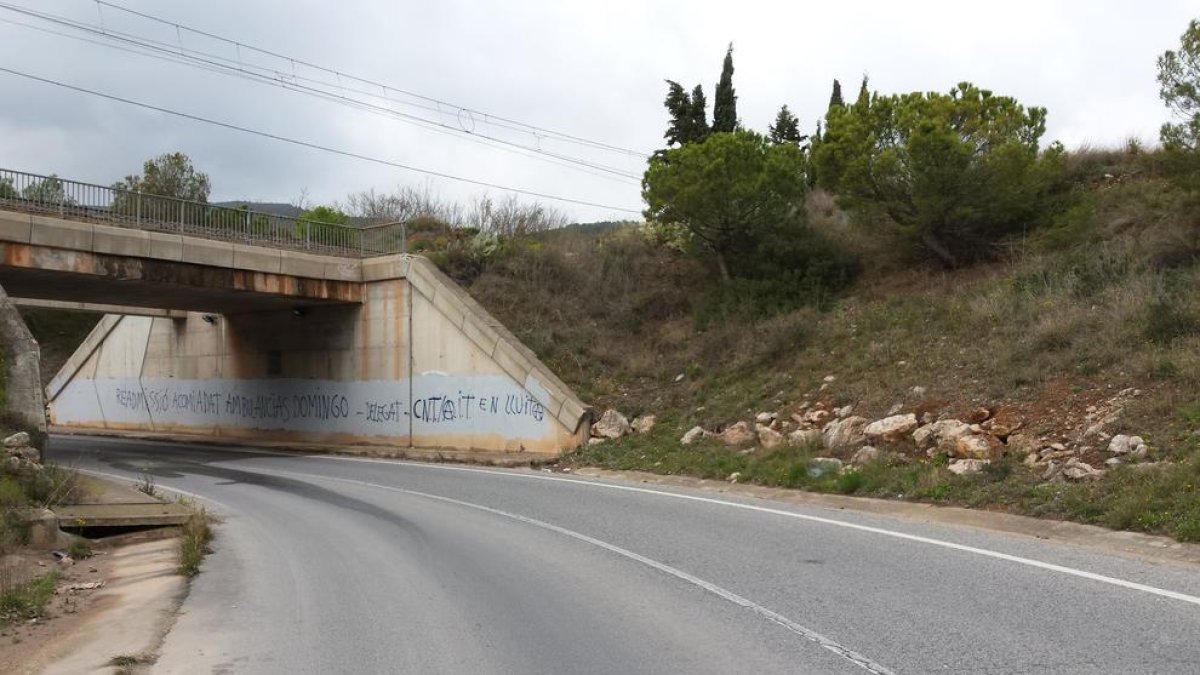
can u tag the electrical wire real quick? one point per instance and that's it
(372, 83)
(215, 63)
(311, 145)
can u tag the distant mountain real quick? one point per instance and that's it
(273, 208)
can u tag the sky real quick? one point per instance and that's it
(483, 90)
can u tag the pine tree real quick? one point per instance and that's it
(835, 99)
(786, 128)
(725, 101)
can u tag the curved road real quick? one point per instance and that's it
(338, 565)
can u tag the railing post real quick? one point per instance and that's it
(139, 209)
(181, 229)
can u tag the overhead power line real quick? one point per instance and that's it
(311, 145)
(297, 83)
(340, 76)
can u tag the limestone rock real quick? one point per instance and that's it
(975, 447)
(865, 455)
(891, 429)
(596, 440)
(765, 417)
(965, 466)
(17, 440)
(819, 466)
(734, 477)
(840, 433)
(816, 418)
(923, 436)
(945, 434)
(843, 412)
(738, 434)
(768, 437)
(1077, 470)
(612, 424)
(644, 424)
(1023, 444)
(805, 437)
(692, 435)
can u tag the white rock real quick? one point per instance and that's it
(765, 417)
(1120, 445)
(612, 424)
(829, 378)
(819, 466)
(596, 440)
(841, 433)
(17, 440)
(733, 477)
(1114, 461)
(1077, 470)
(891, 429)
(680, 377)
(923, 436)
(864, 455)
(843, 412)
(768, 437)
(738, 434)
(965, 466)
(917, 391)
(895, 409)
(694, 434)
(974, 447)
(644, 424)
(805, 437)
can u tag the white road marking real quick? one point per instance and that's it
(775, 617)
(988, 553)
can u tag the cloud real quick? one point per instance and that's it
(594, 70)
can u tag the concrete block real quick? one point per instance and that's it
(450, 305)
(421, 282)
(15, 227)
(119, 241)
(206, 252)
(571, 413)
(57, 233)
(384, 268)
(301, 265)
(512, 361)
(256, 258)
(481, 333)
(166, 246)
(342, 269)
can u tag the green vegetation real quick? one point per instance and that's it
(168, 175)
(194, 543)
(24, 600)
(956, 173)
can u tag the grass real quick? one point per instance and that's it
(27, 600)
(194, 543)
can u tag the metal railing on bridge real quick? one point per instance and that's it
(51, 195)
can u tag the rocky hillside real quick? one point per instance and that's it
(1060, 381)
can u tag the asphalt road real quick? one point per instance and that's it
(335, 565)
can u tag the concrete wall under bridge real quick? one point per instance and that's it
(417, 366)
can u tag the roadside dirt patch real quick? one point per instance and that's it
(84, 629)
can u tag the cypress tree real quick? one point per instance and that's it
(864, 96)
(786, 128)
(835, 99)
(679, 107)
(697, 117)
(725, 100)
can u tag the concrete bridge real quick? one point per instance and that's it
(271, 331)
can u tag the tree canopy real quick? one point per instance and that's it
(955, 171)
(168, 175)
(725, 190)
(1179, 88)
(688, 123)
(786, 128)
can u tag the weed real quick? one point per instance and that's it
(79, 548)
(194, 543)
(24, 600)
(146, 484)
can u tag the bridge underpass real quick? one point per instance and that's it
(264, 344)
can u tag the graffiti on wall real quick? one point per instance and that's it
(429, 404)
